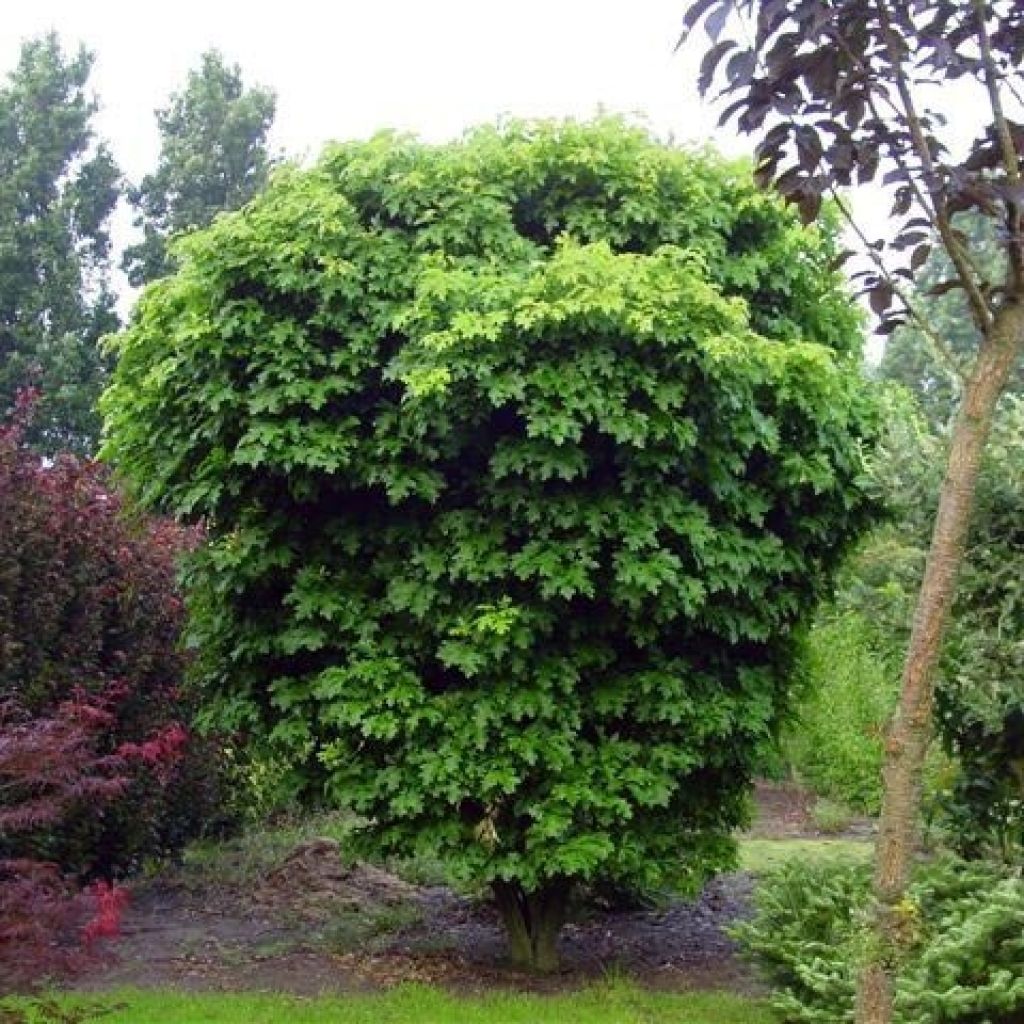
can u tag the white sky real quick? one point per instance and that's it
(347, 68)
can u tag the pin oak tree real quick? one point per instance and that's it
(521, 458)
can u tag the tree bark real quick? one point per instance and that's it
(532, 922)
(910, 732)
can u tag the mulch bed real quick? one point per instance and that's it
(271, 937)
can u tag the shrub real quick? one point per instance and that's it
(980, 706)
(962, 942)
(50, 767)
(835, 740)
(513, 510)
(89, 605)
(830, 817)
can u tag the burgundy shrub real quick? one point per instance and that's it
(51, 766)
(90, 610)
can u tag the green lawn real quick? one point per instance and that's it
(759, 855)
(613, 1003)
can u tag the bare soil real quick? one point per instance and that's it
(314, 924)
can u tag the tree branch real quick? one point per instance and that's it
(1008, 80)
(943, 353)
(965, 270)
(1011, 162)
(897, 157)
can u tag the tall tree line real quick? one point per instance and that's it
(59, 185)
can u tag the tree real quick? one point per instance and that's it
(58, 187)
(934, 375)
(521, 468)
(839, 91)
(980, 684)
(213, 157)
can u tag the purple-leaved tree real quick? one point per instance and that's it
(845, 92)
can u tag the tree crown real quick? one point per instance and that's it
(522, 459)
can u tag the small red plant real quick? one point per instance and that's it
(48, 766)
(110, 901)
(161, 752)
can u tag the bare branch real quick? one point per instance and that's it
(943, 353)
(1007, 80)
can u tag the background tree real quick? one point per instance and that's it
(58, 187)
(974, 785)
(523, 457)
(934, 375)
(837, 91)
(213, 157)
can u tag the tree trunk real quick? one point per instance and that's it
(910, 731)
(532, 922)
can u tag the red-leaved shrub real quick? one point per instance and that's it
(90, 612)
(51, 766)
(109, 900)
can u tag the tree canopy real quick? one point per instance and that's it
(58, 187)
(522, 459)
(213, 157)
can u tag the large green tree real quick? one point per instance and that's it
(522, 458)
(213, 157)
(58, 187)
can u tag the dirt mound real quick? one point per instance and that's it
(315, 881)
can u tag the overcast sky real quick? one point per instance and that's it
(347, 68)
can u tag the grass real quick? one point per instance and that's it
(760, 855)
(357, 929)
(244, 859)
(611, 1003)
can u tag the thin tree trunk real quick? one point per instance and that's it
(532, 922)
(910, 732)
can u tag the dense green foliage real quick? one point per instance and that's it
(834, 743)
(57, 189)
(213, 157)
(980, 693)
(513, 511)
(850, 664)
(980, 704)
(962, 935)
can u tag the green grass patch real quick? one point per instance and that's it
(614, 1003)
(760, 855)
